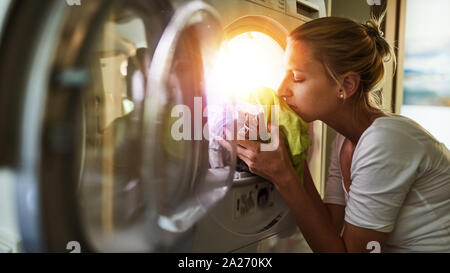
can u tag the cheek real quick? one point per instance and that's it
(313, 100)
(305, 101)
(308, 95)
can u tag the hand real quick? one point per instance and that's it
(275, 166)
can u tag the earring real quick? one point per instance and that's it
(341, 95)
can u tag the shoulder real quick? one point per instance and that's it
(392, 140)
(396, 126)
(385, 164)
(393, 137)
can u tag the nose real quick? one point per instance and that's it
(284, 90)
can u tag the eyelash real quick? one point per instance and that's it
(296, 80)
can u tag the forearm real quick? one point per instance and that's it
(335, 214)
(312, 192)
(312, 217)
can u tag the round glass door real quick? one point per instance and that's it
(106, 156)
(189, 170)
(111, 194)
(146, 176)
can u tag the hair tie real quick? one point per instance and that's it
(373, 32)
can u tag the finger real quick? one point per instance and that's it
(249, 144)
(225, 144)
(230, 131)
(244, 152)
(246, 160)
(251, 166)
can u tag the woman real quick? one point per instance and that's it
(389, 180)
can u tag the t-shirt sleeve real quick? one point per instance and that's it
(384, 166)
(334, 193)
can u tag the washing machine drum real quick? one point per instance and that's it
(109, 152)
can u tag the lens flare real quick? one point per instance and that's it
(246, 62)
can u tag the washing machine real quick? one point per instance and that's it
(90, 94)
(241, 222)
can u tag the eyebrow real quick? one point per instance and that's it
(292, 69)
(297, 70)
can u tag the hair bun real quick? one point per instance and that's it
(373, 29)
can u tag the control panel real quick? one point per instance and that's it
(302, 9)
(249, 199)
(279, 5)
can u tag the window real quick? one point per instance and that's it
(426, 85)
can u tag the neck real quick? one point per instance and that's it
(350, 123)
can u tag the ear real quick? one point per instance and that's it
(350, 83)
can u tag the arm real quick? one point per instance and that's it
(310, 213)
(313, 217)
(320, 230)
(334, 212)
(337, 213)
(334, 197)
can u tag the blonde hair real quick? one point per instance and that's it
(343, 45)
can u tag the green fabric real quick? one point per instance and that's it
(292, 127)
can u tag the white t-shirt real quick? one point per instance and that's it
(400, 184)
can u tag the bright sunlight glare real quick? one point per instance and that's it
(246, 62)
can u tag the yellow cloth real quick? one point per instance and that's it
(292, 127)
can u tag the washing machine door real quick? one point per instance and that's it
(189, 170)
(100, 91)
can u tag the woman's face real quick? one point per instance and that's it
(306, 87)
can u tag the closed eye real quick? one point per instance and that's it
(297, 78)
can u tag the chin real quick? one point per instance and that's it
(303, 116)
(308, 120)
